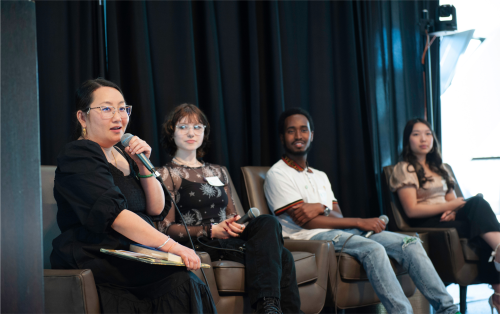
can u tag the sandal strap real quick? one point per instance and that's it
(493, 254)
(496, 248)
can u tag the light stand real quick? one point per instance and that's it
(447, 26)
(429, 108)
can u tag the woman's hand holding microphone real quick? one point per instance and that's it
(137, 146)
(228, 228)
(224, 230)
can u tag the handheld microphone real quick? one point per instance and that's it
(126, 140)
(384, 218)
(251, 214)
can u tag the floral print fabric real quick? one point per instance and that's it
(200, 203)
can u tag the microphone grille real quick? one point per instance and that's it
(254, 212)
(126, 139)
(384, 218)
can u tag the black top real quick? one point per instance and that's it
(90, 193)
(200, 203)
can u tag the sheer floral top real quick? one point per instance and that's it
(433, 192)
(200, 203)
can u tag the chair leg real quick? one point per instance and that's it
(463, 299)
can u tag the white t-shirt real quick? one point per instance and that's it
(287, 185)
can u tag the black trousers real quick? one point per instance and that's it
(269, 266)
(472, 220)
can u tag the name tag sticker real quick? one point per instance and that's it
(214, 181)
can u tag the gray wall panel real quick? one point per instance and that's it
(21, 223)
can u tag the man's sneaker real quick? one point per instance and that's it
(268, 306)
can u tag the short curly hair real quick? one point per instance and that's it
(290, 112)
(194, 115)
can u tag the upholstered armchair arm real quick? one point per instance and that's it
(209, 273)
(313, 294)
(320, 249)
(70, 291)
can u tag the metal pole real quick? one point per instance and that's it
(430, 109)
(428, 77)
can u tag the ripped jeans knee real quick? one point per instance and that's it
(336, 239)
(409, 240)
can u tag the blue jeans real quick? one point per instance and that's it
(407, 251)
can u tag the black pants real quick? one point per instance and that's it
(472, 220)
(269, 266)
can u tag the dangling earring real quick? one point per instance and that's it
(84, 132)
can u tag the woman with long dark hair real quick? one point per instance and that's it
(107, 199)
(426, 191)
(203, 193)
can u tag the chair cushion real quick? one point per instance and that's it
(305, 266)
(230, 276)
(470, 252)
(351, 269)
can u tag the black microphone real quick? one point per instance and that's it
(251, 214)
(126, 140)
(384, 218)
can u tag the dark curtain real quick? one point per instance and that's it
(355, 66)
(391, 75)
(70, 48)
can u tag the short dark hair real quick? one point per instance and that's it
(85, 97)
(290, 112)
(194, 114)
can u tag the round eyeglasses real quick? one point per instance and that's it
(108, 112)
(184, 128)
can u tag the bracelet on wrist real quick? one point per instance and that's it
(145, 176)
(163, 244)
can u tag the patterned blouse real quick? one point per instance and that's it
(200, 203)
(433, 191)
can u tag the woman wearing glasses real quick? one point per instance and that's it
(107, 199)
(203, 194)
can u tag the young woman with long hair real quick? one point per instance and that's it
(426, 191)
